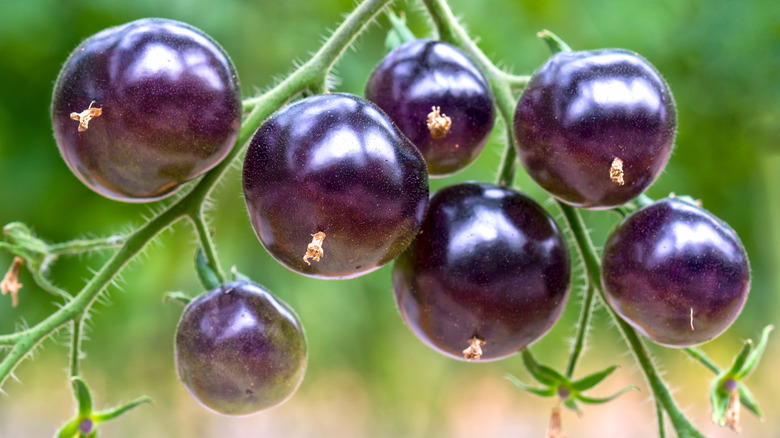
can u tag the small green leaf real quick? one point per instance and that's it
(755, 356)
(69, 429)
(24, 243)
(83, 396)
(238, 276)
(554, 43)
(206, 273)
(592, 380)
(719, 399)
(399, 33)
(541, 392)
(601, 400)
(571, 404)
(112, 413)
(741, 359)
(179, 297)
(544, 375)
(748, 401)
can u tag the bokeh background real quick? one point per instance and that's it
(367, 374)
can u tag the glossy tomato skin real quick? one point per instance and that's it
(170, 102)
(676, 273)
(580, 111)
(334, 164)
(489, 263)
(240, 350)
(421, 74)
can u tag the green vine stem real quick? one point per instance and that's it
(310, 76)
(207, 243)
(75, 346)
(583, 325)
(450, 30)
(79, 246)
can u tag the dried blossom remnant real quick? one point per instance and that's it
(314, 250)
(10, 283)
(555, 429)
(85, 116)
(474, 352)
(616, 171)
(732, 412)
(438, 123)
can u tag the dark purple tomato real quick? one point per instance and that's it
(239, 350)
(596, 128)
(333, 189)
(438, 98)
(490, 267)
(676, 273)
(141, 108)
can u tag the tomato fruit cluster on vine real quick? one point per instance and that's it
(336, 186)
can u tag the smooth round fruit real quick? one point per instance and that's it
(159, 103)
(419, 75)
(676, 273)
(332, 179)
(239, 350)
(489, 264)
(595, 129)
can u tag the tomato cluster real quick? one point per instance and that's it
(336, 186)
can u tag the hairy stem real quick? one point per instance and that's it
(308, 76)
(582, 329)
(85, 245)
(207, 243)
(44, 283)
(75, 346)
(705, 360)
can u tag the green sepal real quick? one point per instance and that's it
(592, 380)
(399, 33)
(83, 396)
(748, 401)
(178, 296)
(601, 400)
(719, 399)
(755, 356)
(23, 242)
(743, 364)
(570, 403)
(544, 375)
(688, 199)
(639, 202)
(739, 361)
(238, 276)
(69, 429)
(112, 413)
(554, 43)
(206, 274)
(541, 392)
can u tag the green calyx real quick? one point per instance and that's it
(727, 392)
(556, 384)
(399, 33)
(84, 424)
(554, 43)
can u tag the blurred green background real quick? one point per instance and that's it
(368, 375)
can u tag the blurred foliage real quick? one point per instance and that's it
(368, 375)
